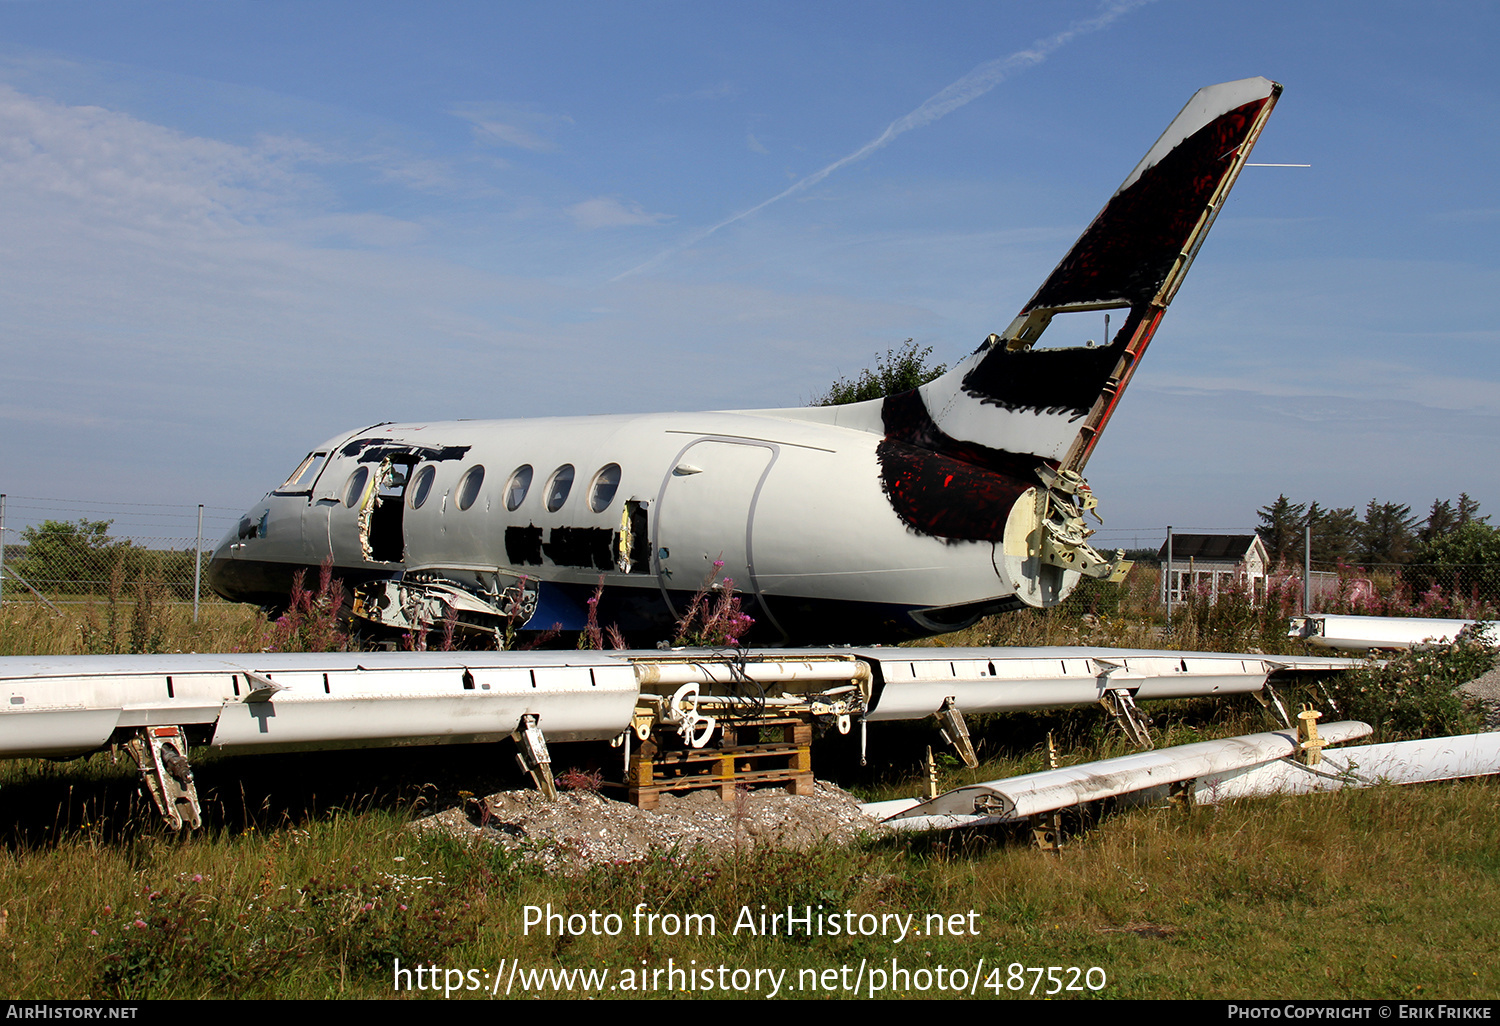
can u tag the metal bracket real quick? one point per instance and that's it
(263, 688)
(161, 755)
(1309, 744)
(532, 755)
(641, 721)
(1061, 505)
(956, 732)
(1271, 702)
(683, 709)
(1120, 704)
(1046, 832)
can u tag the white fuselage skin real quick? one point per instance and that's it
(793, 508)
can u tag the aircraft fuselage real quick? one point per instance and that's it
(793, 510)
(912, 514)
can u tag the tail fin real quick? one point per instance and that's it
(1052, 404)
(992, 450)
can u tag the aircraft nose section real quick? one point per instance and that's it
(226, 567)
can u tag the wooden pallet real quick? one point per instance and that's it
(743, 757)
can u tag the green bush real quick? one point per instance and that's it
(1416, 694)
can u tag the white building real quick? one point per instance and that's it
(1207, 564)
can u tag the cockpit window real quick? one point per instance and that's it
(559, 487)
(517, 487)
(468, 486)
(421, 485)
(602, 491)
(354, 488)
(306, 473)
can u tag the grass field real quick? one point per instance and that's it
(309, 884)
(1372, 894)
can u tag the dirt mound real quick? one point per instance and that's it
(583, 828)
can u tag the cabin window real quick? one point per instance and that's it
(468, 486)
(421, 485)
(306, 473)
(517, 487)
(602, 491)
(354, 488)
(559, 487)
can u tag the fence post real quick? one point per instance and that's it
(1169, 577)
(2, 546)
(197, 562)
(1307, 570)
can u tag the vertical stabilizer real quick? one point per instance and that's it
(993, 450)
(1053, 403)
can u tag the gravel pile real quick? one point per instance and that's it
(583, 828)
(1486, 688)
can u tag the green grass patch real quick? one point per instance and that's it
(1384, 893)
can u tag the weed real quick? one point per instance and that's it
(311, 622)
(713, 618)
(581, 780)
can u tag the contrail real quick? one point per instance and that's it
(972, 86)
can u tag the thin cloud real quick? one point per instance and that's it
(755, 144)
(610, 212)
(123, 170)
(972, 86)
(512, 125)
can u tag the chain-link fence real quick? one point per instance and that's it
(64, 551)
(74, 551)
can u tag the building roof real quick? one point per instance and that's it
(1230, 548)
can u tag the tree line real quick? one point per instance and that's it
(1453, 537)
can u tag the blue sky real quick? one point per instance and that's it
(232, 230)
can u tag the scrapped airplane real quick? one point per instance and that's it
(910, 515)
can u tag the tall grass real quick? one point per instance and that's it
(1377, 894)
(28, 627)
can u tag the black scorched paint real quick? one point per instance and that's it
(1127, 253)
(1049, 380)
(943, 487)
